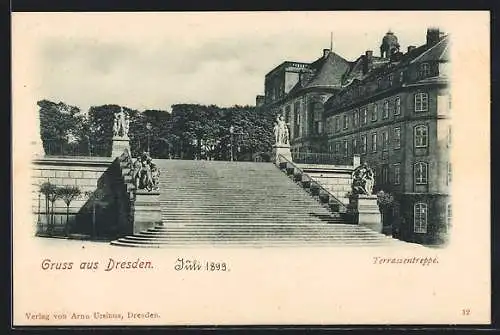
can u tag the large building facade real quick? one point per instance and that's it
(395, 112)
(298, 91)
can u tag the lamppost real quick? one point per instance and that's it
(231, 131)
(148, 127)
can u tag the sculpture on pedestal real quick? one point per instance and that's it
(363, 179)
(281, 133)
(121, 124)
(145, 173)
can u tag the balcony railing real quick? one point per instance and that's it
(59, 148)
(320, 158)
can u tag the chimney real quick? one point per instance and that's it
(433, 36)
(411, 48)
(326, 52)
(367, 61)
(259, 100)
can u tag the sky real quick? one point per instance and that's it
(154, 60)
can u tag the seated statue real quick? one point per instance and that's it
(363, 179)
(145, 173)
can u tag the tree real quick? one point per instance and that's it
(68, 193)
(60, 124)
(51, 196)
(385, 203)
(48, 189)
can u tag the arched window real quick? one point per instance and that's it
(420, 218)
(421, 136)
(421, 173)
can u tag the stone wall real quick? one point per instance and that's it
(83, 172)
(336, 179)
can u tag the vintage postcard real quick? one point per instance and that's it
(251, 168)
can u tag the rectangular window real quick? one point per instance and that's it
(374, 113)
(420, 218)
(421, 173)
(297, 126)
(401, 76)
(385, 174)
(397, 106)
(421, 102)
(337, 148)
(385, 141)
(420, 136)
(288, 114)
(364, 115)
(354, 145)
(386, 109)
(355, 118)
(346, 153)
(346, 121)
(364, 144)
(397, 174)
(397, 138)
(374, 142)
(425, 70)
(390, 79)
(337, 123)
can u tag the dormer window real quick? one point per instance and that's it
(425, 70)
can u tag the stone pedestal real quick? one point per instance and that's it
(119, 145)
(366, 210)
(147, 210)
(281, 149)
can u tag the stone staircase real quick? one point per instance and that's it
(242, 203)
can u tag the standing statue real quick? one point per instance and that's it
(121, 124)
(281, 131)
(276, 133)
(116, 126)
(126, 125)
(363, 179)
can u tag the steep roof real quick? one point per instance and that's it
(329, 71)
(439, 52)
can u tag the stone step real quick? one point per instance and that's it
(248, 238)
(222, 241)
(263, 228)
(249, 220)
(239, 244)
